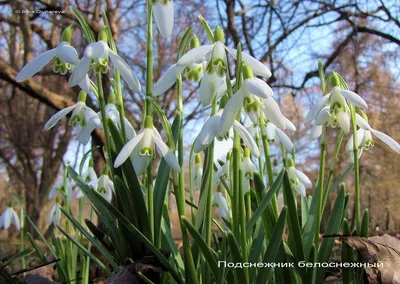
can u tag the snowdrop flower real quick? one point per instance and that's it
(364, 137)
(298, 180)
(210, 130)
(83, 119)
(337, 113)
(146, 141)
(163, 11)
(104, 186)
(99, 52)
(248, 170)
(90, 177)
(220, 203)
(54, 214)
(274, 134)
(64, 55)
(217, 65)
(193, 72)
(8, 216)
(248, 96)
(197, 172)
(223, 171)
(64, 187)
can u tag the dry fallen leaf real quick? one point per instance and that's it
(379, 249)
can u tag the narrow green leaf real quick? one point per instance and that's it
(36, 247)
(207, 28)
(365, 224)
(17, 256)
(347, 255)
(236, 257)
(273, 246)
(184, 42)
(87, 31)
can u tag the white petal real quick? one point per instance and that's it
(58, 116)
(54, 190)
(85, 85)
(323, 116)
(271, 131)
(80, 71)
(195, 55)
(67, 53)
(167, 79)
(130, 131)
(361, 122)
(16, 221)
(259, 88)
(360, 138)
(165, 151)
(247, 139)
(164, 16)
(230, 112)
(140, 163)
(57, 214)
(257, 67)
(301, 189)
(285, 140)
(127, 150)
(84, 133)
(207, 134)
(315, 109)
(7, 215)
(316, 131)
(35, 65)
(50, 216)
(354, 98)
(125, 71)
(221, 90)
(289, 125)
(303, 179)
(344, 121)
(387, 140)
(273, 113)
(97, 50)
(208, 88)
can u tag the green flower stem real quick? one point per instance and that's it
(332, 167)
(87, 262)
(356, 170)
(320, 186)
(180, 190)
(260, 162)
(267, 155)
(120, 103)
(22, 234)
(102, 103)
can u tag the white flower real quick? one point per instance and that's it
(220, 203)
(210, 130)
(274, 134)
(105, 187)
(113, 114)
(197, 172)
(337, 113)
(248, 170)
(364, 138)
(223, 171)
(7, 217)
(163, 11)
(99, 52)
(146, 141)
(90, 177)
(54, 214)
(64, 187)
(83, 119)
(298, 180)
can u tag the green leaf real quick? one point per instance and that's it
(309, 227)
(17, 256)
(36, 247)
(184, 42)
(236, 257)
(256, 249)
(259, 185)
(92, 240)
(347, 255)
(207, 28)
(333, 227)
(365, 224)
(293, 220)
(207, 252)
(161, 185)
(87, 31)
(273, 246)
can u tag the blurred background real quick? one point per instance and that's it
(358, 39)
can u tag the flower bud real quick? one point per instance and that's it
(197, 159)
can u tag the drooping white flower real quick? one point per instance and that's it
(63, 187)
(299, 181)
(90, 177)
(220, 203)
(99, 52)
(54, 214)
(248, 170)
(364, 138)
(83, 119)
(163, 11)
(197, 172)
(147, 140)
(105, 186)
(223, 172)
(8, 216)
(274, 134)
(210, 130)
